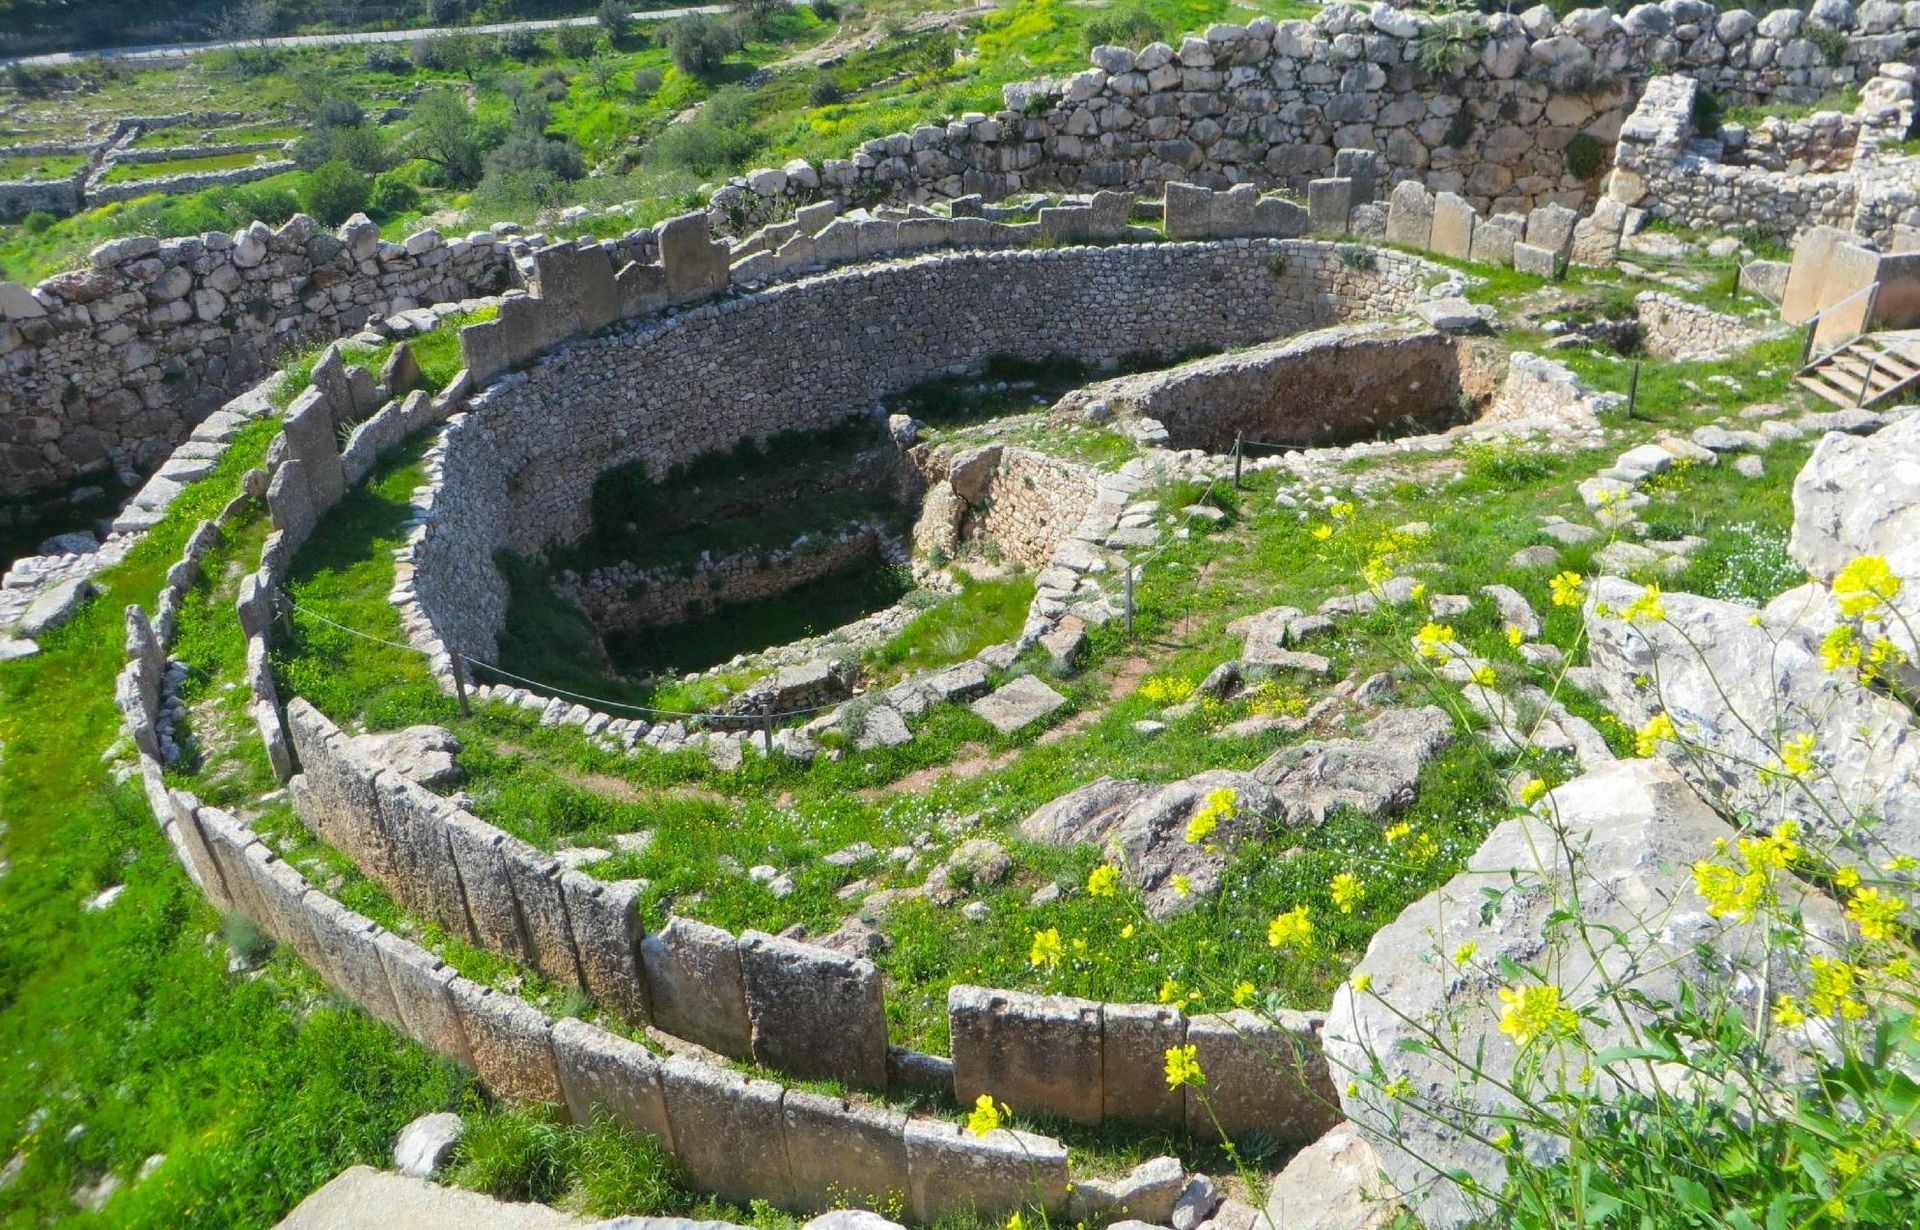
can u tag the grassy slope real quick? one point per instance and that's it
(123, 1025)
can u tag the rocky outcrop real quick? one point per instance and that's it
(1617, 853)
(1375, 774)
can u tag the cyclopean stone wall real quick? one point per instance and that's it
(1662, 167)
(518, 470)
(1270, 102)
(108, 367)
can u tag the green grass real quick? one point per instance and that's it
(124, 172)
(1840, 100)
(985, 612)
(40, 166)
(189, 134)
(124, 1034)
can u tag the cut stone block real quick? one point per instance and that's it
(814, 1012)
(1134, 1042)
(535, 877)
(602, 1071)
(950, 1170)
(839, 1153)
(1538, 261)
(488, 885)
(1410, 215)
(695, 986)
(727, 1132)
(1550, 226)
(1493, 239)
(1266, 1075)
(511, 1042)
(420, 982)
(417, 821)
(350, 957)
(1036, 1053)
(1453, 221)
(1017, 704)
(1328, 203)
(606, 935)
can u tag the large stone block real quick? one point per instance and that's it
(227, 841)
(488, 885)
(606, 937)
(1453, 221)
(1275, 217)
(1541, 262)
(339, 803)
(950, 1170)
(577, 281)
(417, 822)
(1494, 237)
(281, 893)
(1133, 1044)
(419, 982)
(1550, 226)
(185, 811)
(1036, 1053)
(1362, 167)
(728, 1132)
(1807, 275)
(290, 503)
(605, 1072)
(1263, 1074)
(1328, 203)
(349, 957)
(308, 429)
(695, 986)
(1596, 237)
(695, 265)
(484, 350)
(839, 1153)
(814, 1012)
(1410, 215)
(1188, 211)
(543, 912)
(511, 1042)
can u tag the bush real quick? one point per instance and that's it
(1708, 114)
(521, 45)
(616, 18)
(576, 42)
(37, 222)
(1446, 47)
(1831, 42)
(556, 156)
(935, 53)
(825, 91)
(647, 82)
(392, 196)
(1126, 26)
(338, 112)
(335, 192)
(1586, 155)
(716, 140)
(699, 44)
(1459, 129)
(385, 58)
(1583, 77)
(825, 10)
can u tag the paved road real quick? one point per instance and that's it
(174, 51)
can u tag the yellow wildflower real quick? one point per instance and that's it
(1515, 636)
(1397, 1088)
(1880, 655)
(986, 1116)
(1293, 929)
(1126, 932)
(1531, 792)
(1360, 982)
(1047, 949)
(1181, 885)
(1201, 826)
(1504, 1140)
(1015, 1221)
(1535, 1012)
(1840, 648)
(1418, 592)
(1787, 1013)
(1377, 572)
(1397, 831)
(1834, 982)
(1169, 991)
(1243, 993)
(1901, 862)
(1323, 532)
(1875, 912)
(1341, 510)
(1484, 676)
(1847, 877)
(1729, 893)
(1103, 881)
(1796, 755)
(1183, 1068)
(1464, 953)
(1658, 727)
(1865, 586)
(1431, 642)
(1566, 587)
(1346, 891)
(1647, 608)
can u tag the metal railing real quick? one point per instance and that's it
(1811, 351)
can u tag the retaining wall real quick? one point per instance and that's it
(1269, 102)
(518, 470)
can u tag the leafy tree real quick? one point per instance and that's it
(616, 18)
(456, 52)
(391, 196)
(576, 42)
(521, 45)
(646, 82)
(445, 133)
(601, 70)
(700, 44)
(335, 192)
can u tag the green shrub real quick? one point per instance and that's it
(1363, 259)
(1446, 48)
(647, 82)
(37, 222)
(1129, 25)
(1708, 114)
(519, 1154)
(576, 42)
(392, 196)
(718, 139)
(521, 45)
(335, 192)
(700, 44)
(1586, 156)
(1583, 77)
(1831, 42)
(616, 18)
(385, 58)
(825, 10)
(935, 53)
(825, 91)
(1459, 129)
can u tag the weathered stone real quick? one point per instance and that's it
(950, 1170)
(511, 1042)
(838, 1151)
(603, 1071)
(813, 1012)
(1018, 704)
(1540, 262)
(1374, 775)
(1037, 1053)
(1332, 1184)
(425, 1144)
(1453, 220)
(1328, 203)
(696, 987)
(1410, 215)
(1265, 1073)
(727, 1132)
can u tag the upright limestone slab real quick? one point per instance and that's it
(1036, 1053)
(1263, 1074)
(814, 1012)
(511, 1042)
(951, 1170)
(606, 936)
(420, 982)
(839, 1152)
(1453, 221)
(694, 981)
(1133, 1046)
(1410, 215)
(727, 1132)
(602, 1071)
(1328, 203)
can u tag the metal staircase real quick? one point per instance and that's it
(1870, 369)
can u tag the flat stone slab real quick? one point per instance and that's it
(362, 1198)
(55, 606)
(1024, 701)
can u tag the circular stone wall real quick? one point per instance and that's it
(517, 471)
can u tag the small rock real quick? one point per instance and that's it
(424, 1145)
(1535, 557)
(1147, 726)
(976, 911)
(104, 898)
(1196, 1202)
(1750, 467)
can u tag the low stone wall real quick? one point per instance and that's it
(518, 471)
(616, 598)
(20, 197)
(1326, 387)
(1029, 505)
(1672, 328)
(1088, 1061)
(111, 365)
(1661, 167)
